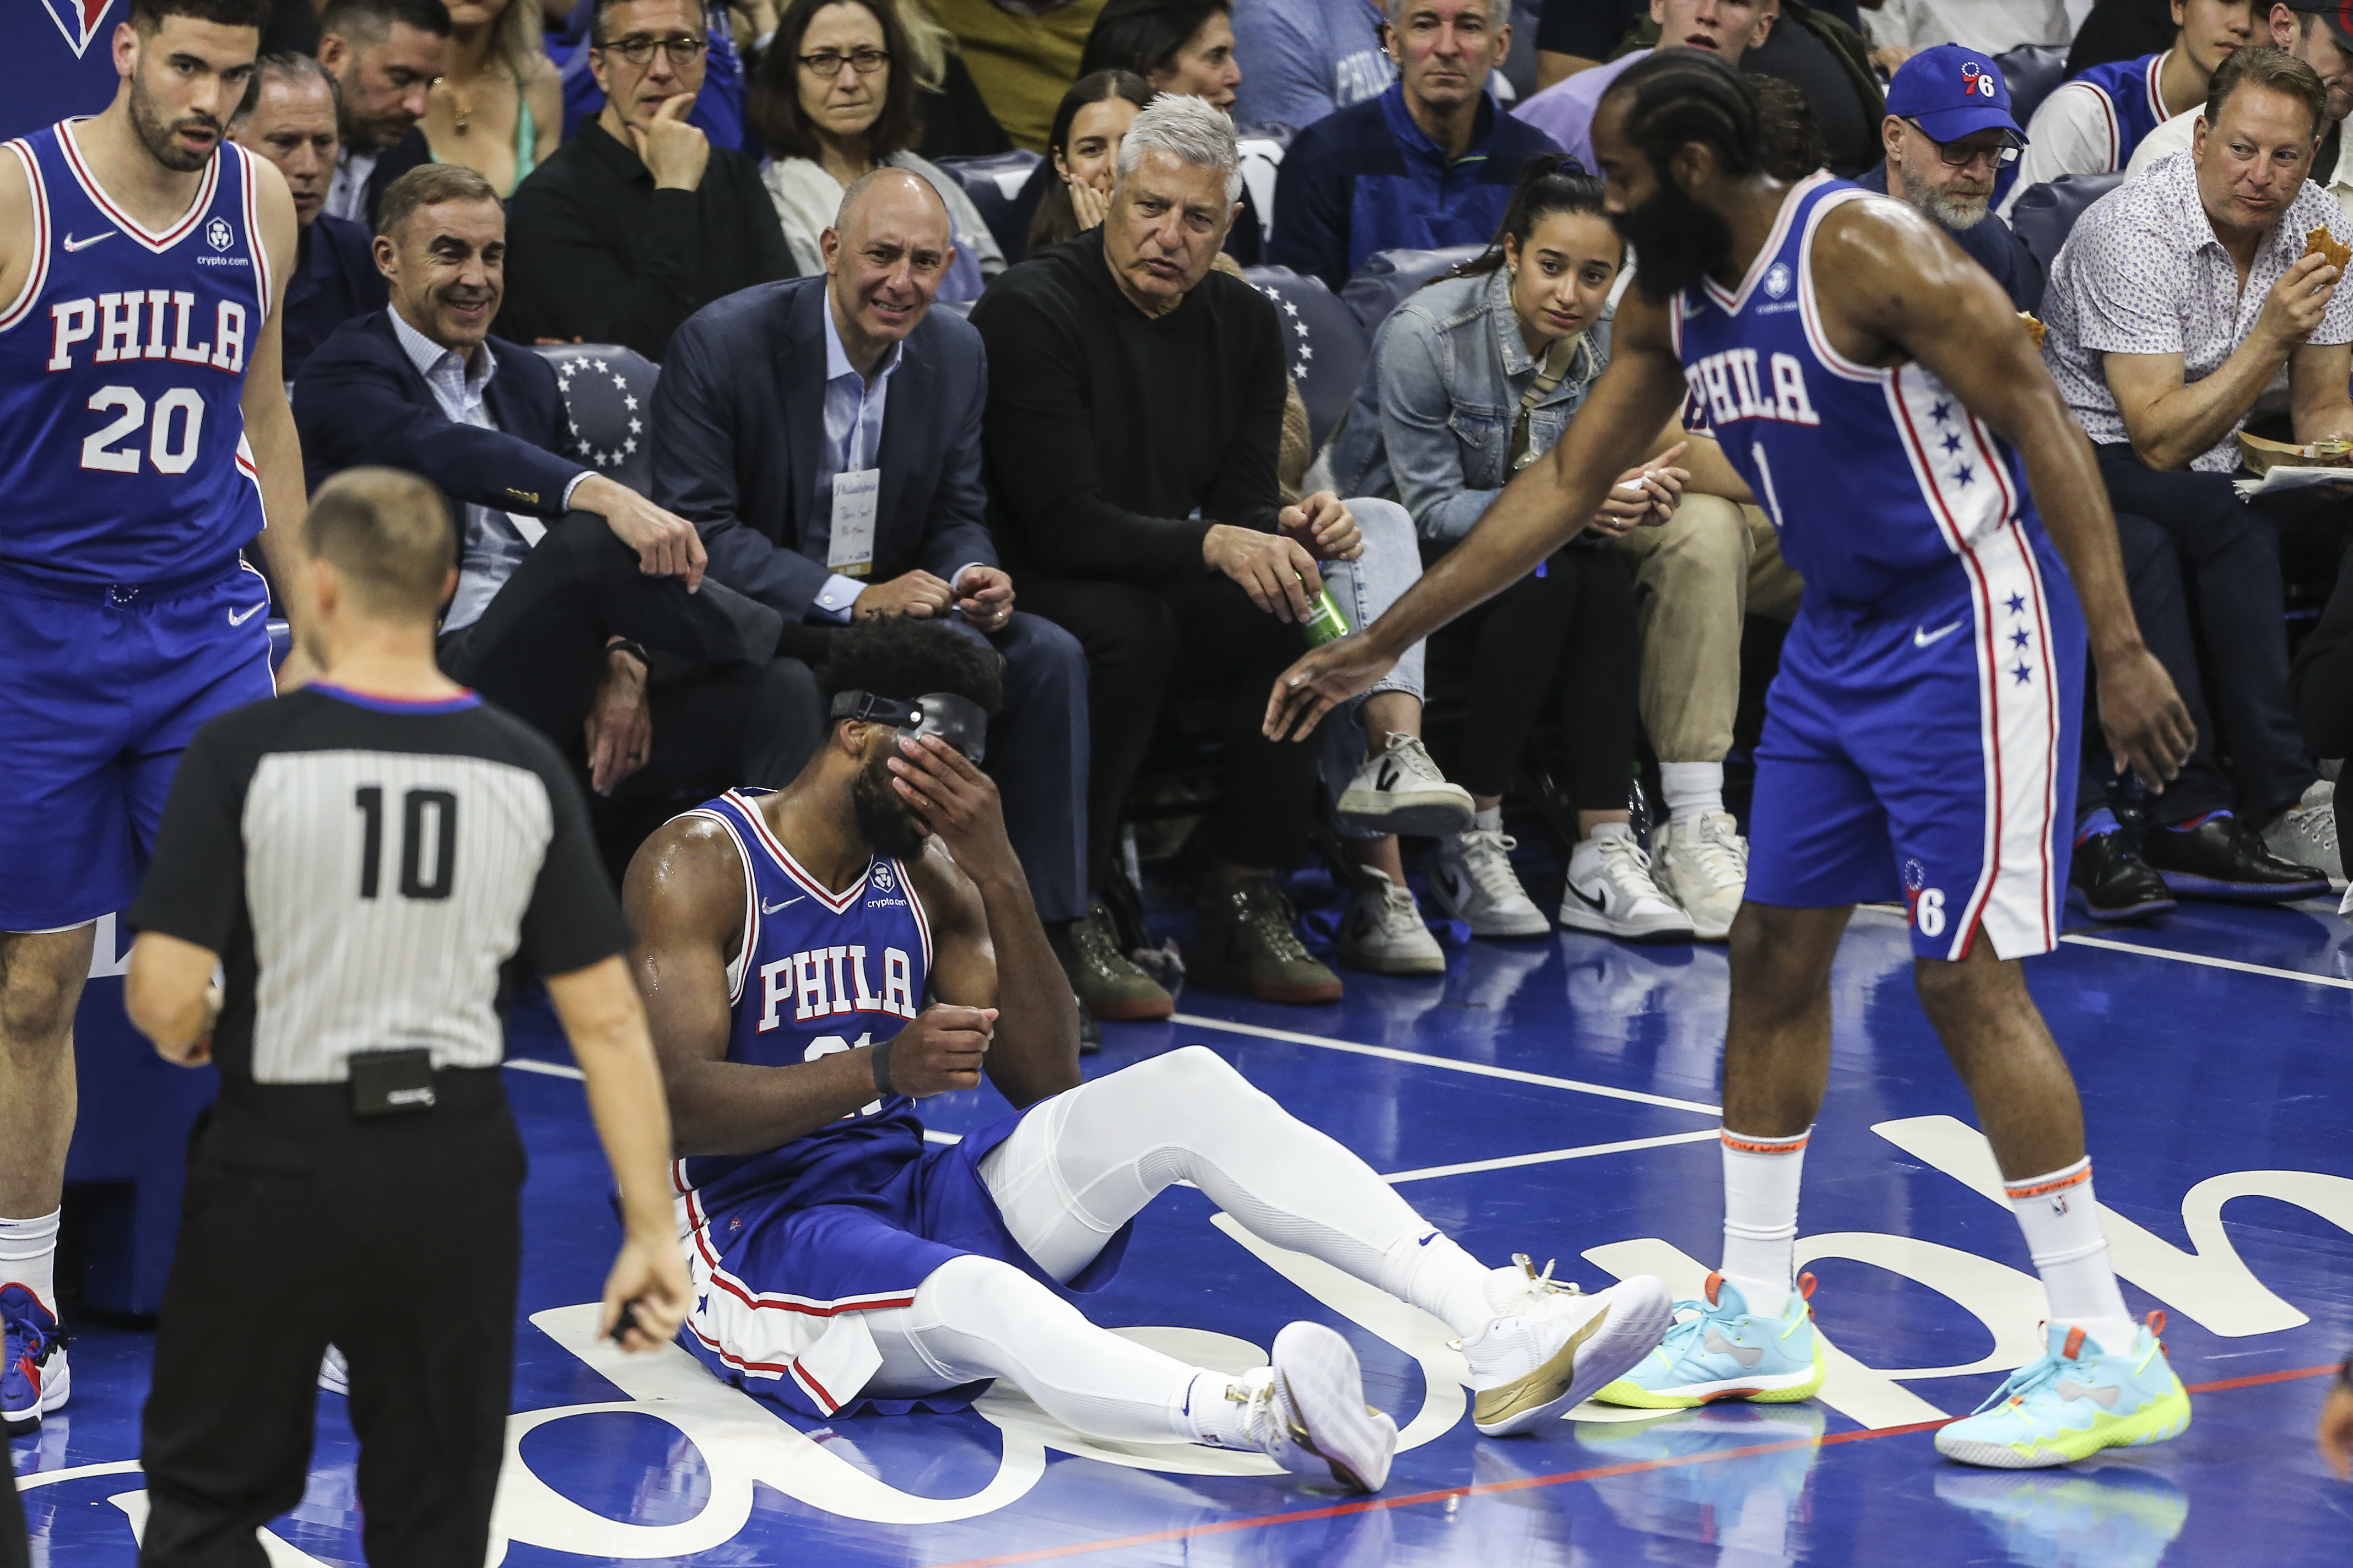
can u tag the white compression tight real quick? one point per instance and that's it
(1081, 1165)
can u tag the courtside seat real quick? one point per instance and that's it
(2031, 71)
(1323, 348)
(1387, 276)
(609, 393)
(994, 184)
(2046, 213)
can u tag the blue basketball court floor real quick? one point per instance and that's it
(1557, 1098)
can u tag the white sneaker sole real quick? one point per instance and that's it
(1577, 915)
(1373, 962)
(1704, 928)
(57, 1386)
(1317, 1377)
(1607, 1346)
(1417, 812)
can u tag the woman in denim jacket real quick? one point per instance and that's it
(1471, 379)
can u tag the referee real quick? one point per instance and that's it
(374, 861)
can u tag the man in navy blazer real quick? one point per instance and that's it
(824, 434)
(566, 578)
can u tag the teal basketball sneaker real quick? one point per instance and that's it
(1721, 1351)
(2075, 1401)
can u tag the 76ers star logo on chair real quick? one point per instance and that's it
(77, 20)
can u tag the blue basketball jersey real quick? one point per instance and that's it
(2129, 102)
(122, 450)
(1876, 479)
(819, 972)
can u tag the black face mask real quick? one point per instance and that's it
(1676, 242)
(885, 820)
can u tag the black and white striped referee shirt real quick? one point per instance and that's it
(376, 874)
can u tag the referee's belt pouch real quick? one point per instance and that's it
(391, 1083)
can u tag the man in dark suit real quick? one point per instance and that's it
(289, 118)
(385, 56)
(566, 578)
(824, 434)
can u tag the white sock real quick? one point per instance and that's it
(1214, 1416)
(1429, 1270)
(28, 1256)
(1488, 821)
(1690, 789)
(1760, 1216)
(2062, 1222)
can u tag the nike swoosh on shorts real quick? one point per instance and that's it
(1921, 636)
(236, 620)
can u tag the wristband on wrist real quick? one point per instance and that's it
(881, 1064)
(636, 650)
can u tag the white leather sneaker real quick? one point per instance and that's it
(1382, 930)
(1611, 891)
(1400, 790)
(1551, 1346)
(1702, 863)
(1472, 880)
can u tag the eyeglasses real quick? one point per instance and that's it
(638, 49)
(1962, 154)
(828, 63)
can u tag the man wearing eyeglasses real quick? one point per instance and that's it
(1948, 135)
(638, 221)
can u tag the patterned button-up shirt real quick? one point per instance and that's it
(2142, 273)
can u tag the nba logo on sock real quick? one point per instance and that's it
(77, 20)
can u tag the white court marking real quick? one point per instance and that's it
(1509, 1162)
(2201, 959)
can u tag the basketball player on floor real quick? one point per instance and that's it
(143, 439)
(815, 959)
(1920, 735)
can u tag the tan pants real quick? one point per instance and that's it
(1697, 579)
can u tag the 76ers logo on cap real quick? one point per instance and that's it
(1976, 80)
(77, 20)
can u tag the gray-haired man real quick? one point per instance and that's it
(1162, 545)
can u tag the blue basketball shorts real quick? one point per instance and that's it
(779, 1290)
(102, 689)
(1926, 748)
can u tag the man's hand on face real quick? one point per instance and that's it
(984, 597)
(1325, 527)
(667, 544)
(917, 594)
(675, 153)
(957, 802)
(1274, 569)
(620, 729)
(2297, 302)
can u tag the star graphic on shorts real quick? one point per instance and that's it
(1964, 476)
(2017, 604)
(1952, 445)
(2024, 672)
(1941, 413)
(2019, 638)
(702, 1304)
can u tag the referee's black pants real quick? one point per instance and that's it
(395, 1238)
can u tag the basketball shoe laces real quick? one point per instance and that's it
(2039, 1374)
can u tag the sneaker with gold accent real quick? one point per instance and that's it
(1721, 1351)
(1307, 1412)
(2077, 1399)
(1550, 1346)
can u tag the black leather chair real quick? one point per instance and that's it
(607, 393)
(1323, 348)
(1387, 276)
(995, 183)
(2046, 213)
(2030, 72)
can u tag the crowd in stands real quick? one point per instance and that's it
(984, 311)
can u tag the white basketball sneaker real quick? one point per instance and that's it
(1400, 790)
(1382, 931)
(1307, 1412)
(1702, 863)
(1551, 1346)
(1472, 880)
(335, 1372)
(1611, 891)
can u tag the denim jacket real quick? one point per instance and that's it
(1431, 423)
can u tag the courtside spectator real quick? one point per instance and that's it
(718, 109)
(289, 117)
(1022, 54)
(1816, 50)
(1183, 46)
(2122, 30)
(1946, 143)
(1073, 184)
(1726, 29)
(834, 100)
(499, 106)
(2158, 341)
(1429, 163)
(2094, 121)
(1472, 378)
(385, 56)
(2318, 33)
(1161, 543)
(825, 436)
(638, 221)
(1300, 59)
(555, 614)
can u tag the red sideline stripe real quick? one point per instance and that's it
(1527, 1483)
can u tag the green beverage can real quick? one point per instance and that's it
(1324, 622)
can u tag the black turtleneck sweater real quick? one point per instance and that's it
(1113, 440)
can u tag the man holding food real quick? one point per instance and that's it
(2187, 302)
